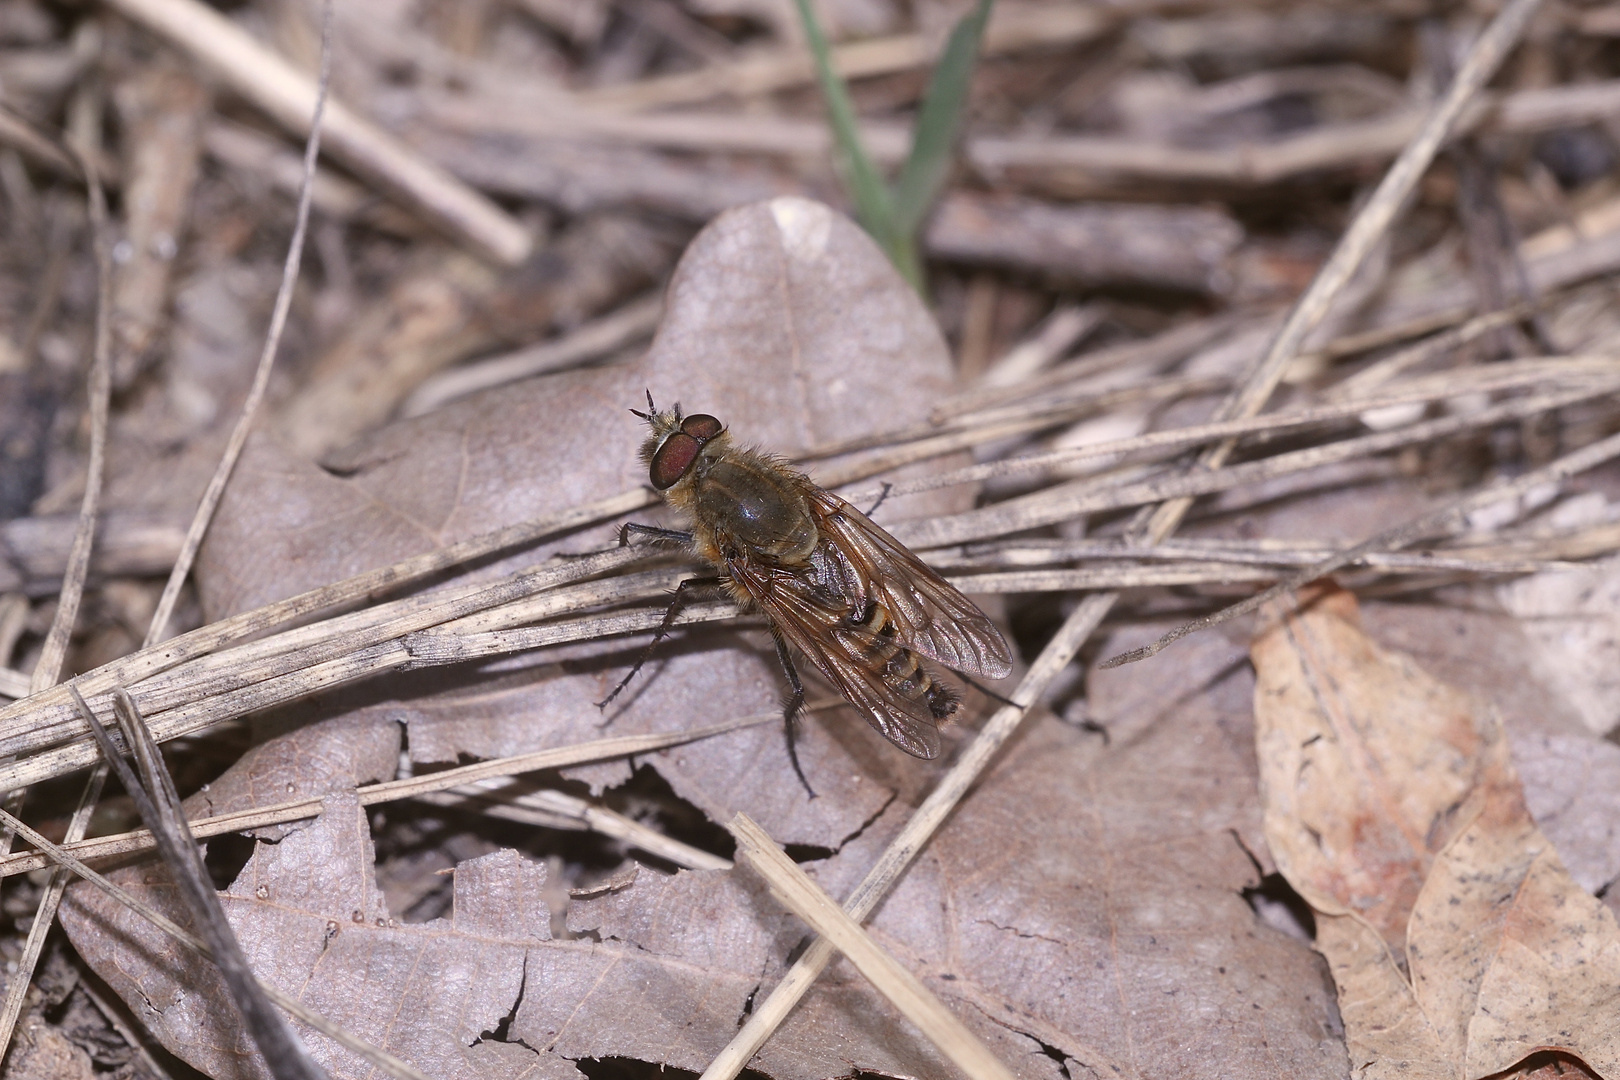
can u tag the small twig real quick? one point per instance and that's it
(1496, 378)
(159, 805)
(794, 889)
(130, 670)
(550, 809)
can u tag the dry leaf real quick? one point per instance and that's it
(1459, 943)
(1083, 910)
(784, 320)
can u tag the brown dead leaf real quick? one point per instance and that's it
(1083, 911)
(1459, 943)
(783, 319)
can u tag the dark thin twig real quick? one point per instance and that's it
(159, 805)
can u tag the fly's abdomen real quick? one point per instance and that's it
(900, 668)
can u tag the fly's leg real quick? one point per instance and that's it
(881, 499)
(790, 713)
(657, 535)
(987, 692)
(676, 604)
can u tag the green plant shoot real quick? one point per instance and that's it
(893, 216)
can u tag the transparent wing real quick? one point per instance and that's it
(839, 652)
(929, 614)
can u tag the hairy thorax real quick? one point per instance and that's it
(741, 506)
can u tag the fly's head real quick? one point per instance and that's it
(676, 443)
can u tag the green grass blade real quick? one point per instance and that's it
(871, 196)
(938, 121)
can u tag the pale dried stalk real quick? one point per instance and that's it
(794, 889)
(1494, 378)
(288, 95)
(392, 790)
(129, 670)
(1088, 495)
(1063, 647)
(551, 809)
(1448, 519)
(48, 722)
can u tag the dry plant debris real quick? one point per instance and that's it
(378, 692)
(1459, 942)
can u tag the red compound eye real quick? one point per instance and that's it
(701, 426)
(673, 459)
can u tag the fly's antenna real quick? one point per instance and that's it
(651, 409)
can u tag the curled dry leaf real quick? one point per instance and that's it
(1458, 941)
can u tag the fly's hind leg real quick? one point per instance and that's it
(986, 691)
(676, 604)
(790, 714)
(882, 498)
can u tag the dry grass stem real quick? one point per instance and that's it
(1493, 379)
(267, 356)
(802, 896)
(1447, 520)
(1067, 500)
(545, 808)
(140, 840)
(289, 97)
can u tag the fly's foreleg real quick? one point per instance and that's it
(790, 713)
(676, 604)
(654, 533)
